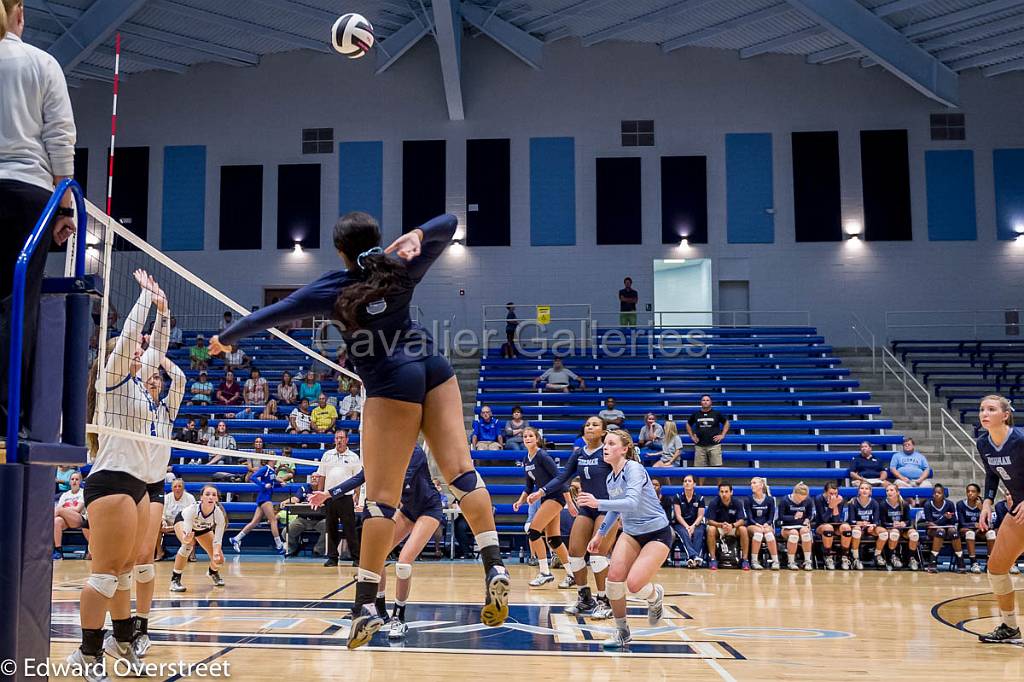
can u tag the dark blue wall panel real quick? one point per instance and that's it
(184, 203)
(552, 191)
(749, 188)
(951, 206)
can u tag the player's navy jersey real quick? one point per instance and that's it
(690, 508)
(855, 511)
(539, 470)
(793, 513)
(718, 511)
(823, 513)
(891, 515)
(968, 516)
(386, 331)
(1004, 464)
(944, 515)
(761, 512)
(590, 467)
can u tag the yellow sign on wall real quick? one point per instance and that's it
(543, 314)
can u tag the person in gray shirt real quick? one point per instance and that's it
(557, 378)
(613, 417)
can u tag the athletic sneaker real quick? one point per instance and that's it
(619, 640)
(793, 565)
(236, 544)
(713, 564)
(961, 567)
(1003, 634)
(913, 564)
(604, 608)
(398, 629)
(776, 566)
(568, 582)
(215, 577)
(141, 644)
(132, 664)
(176, 585)
(92, 669)
(542, 579)
(830, 564)
(845, 563)
(756, 565)
(931, 568)
(57, 555)
(975, 567)
(690, 563)
(808, 566)
(656, 607)
(364, 627)
(896, 563)
(879, 562)
(698, 562)
(745, 565)
(496, 588)
(585, 604)
(858, 565)
(1014, 570)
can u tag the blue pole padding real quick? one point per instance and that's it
(17, 322)
(78, 320)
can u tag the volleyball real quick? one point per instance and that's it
(352, 35)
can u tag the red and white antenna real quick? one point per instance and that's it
(113, 120)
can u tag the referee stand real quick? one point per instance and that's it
(56, 433)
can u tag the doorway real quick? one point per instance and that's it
(734, 303)
(682, 292)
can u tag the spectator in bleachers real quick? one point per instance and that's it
(63, 479)
(651, 432)
(226, 322)
(174, 504)
(761, 523)
(310, 388)
(828, 517)
(939, 516)
(269, 410)
(285, 471)
(909, 469)
(206, 432)
(670, 448)
(863, 515)
(558, 379)
(324, 416)
(199, 354)
(352, 404)
(252, 464)
(202, 390)
(726, 517)
(999, 513)
(287, 390)
(337, 465)
(303, 522)
(968, 513)
(188, 433)
(486, 431)
(612, 417)
(223, 440)
(796, 512)
(628, 299)
(508, 350)
(175, 339)
(236, 359)
(865, 467)
(67, 513)
(707, 429)
(513, 431)
(300, 421)
(689, 522)
(895, 515)
(229, 392)
(256, 391)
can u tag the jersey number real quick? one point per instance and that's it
(1003, 473)
(586, 473)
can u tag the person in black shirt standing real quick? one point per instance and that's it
(627, 303)
(511, 324)
(707, 430)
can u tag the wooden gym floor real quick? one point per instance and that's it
(277, 620)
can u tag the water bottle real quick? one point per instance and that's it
(522, 555)
(677, 557)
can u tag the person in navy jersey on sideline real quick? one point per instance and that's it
(410, 388)
(1002, 453)
(828, 520)
(726, 517)
(968, 514)
(265, 480)
(761, 523)
(939, 515)
(896, 524)
(999, 513)
(689, 522)
(862, 513)
(796, 513)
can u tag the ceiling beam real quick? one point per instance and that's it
(831, 54)
(953, 44)
(854, 23)
(781, 41)
(42, 38)
(92, 28)
(989, 43)
(520, 43)
(448, 30)
(1005, 67)
(898, 6)
(197, 14)
(1002, 54)
(556, 17)
(951, 19)
(401, 41)
(621, 27)
(96, 73)
(724, 26)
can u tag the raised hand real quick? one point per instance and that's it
(407, 246)
(317, 499)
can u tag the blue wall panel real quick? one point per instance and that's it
(749, 188)
(951, 206)
(184, 200)
(552, 191)
(1008, 167)
(361, 178)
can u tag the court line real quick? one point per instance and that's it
(229, 649)
(712, 663)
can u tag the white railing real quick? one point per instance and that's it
(912, 388)
(866, 336)
(949, 324)
(568, 326)
(954, 434)
(707, 318)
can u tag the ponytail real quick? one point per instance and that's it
(92, 440)
(3, 21)
(6, 8)
(357, 236)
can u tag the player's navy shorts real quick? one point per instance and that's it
(156, 492)
(409, 381)
(664, 536)
(416, 509)
(590, 513)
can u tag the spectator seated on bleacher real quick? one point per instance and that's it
(256, 390)
(558, 379)
(63, 479)
(206, 432)
(909, 469)
(300, 421)
(175, 340)
(174, 504)
(202, 390)
(188, 433)
(303, 522)
(236, 359)
(310, 388)
(669, 448)
(223, 440)
(199, 354)
(287, 390)
(67, 513)
(867, 467)
(612, 417)
(651, 432)
(487, 431)
(252, 464)
(352, 404)
(226, 322)
(285, 471)
(230, 391)
(324, 416)
(513, 431)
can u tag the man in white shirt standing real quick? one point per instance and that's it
(336, 466)
(37, 151)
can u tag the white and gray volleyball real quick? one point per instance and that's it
(352, 35)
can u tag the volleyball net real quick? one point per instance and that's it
(157, 384)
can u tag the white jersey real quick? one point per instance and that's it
(128, 405)
(70, 499)
(173, 507)
(199, 523)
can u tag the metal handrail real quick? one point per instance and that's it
(907, 379)
(653, 316)
(864, 332)
(943, 320)
(17, 321)
(945, 420)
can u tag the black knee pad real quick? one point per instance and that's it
(555, 542)
(828, 533)
(847, 533)
(534, 534)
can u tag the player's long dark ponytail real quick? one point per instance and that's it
(357, 235)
